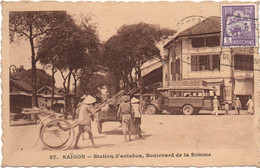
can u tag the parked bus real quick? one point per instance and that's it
(186, 99)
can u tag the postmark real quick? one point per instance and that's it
(238, 25)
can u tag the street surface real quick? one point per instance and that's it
(163, 131)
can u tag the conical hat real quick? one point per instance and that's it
(89, 100)
(134, 100)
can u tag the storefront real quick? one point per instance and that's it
(243, 89)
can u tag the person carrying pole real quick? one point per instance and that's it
(125, 111)
(85, 119)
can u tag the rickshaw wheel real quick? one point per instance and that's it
(57, 134)
(99, 127)
(187, 109)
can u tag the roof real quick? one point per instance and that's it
(188, 88)
(20, 94)
(49, 88)
(210, 25)
(49, 95)
(23, 86)
(150, 65)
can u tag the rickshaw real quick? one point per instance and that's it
(58, 134)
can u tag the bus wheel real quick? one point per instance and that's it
(187, 109)
(151, 109)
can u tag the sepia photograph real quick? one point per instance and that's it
(130, 84)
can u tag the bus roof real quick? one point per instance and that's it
(187, 88)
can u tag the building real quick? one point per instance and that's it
(44, 96)
(196, 54)
(20, 97)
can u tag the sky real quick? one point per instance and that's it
(110, 16)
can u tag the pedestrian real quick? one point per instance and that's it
(125, 111)
(238, 105)
(137, 113)
(215, 105)
(250, 105)
(226, 107)
(85, 118)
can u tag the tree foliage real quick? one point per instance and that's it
(43, 78)
(92, 84)
(131, 47)
(77, 52)
(34, 26)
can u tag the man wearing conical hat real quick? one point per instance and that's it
(85, 118)
(125, 111)
(136, 110)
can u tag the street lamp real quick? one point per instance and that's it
(12, 68)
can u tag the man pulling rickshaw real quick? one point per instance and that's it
(85, 111)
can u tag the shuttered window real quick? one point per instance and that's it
(205, 62)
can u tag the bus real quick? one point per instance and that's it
(185, 99)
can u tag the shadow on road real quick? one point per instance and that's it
(114, 132)
(99, 137)
(96, 146)
(144, 136)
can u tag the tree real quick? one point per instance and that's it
(75, 54)
(33, 26)
(43, 78)
(132, 46)
(92, 84)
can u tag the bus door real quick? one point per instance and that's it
(207, 101)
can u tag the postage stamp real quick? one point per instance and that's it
(238, 25)
(130, 84)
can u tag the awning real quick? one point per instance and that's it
(20, 94)
(243, 87)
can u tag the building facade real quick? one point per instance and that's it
(196, 54)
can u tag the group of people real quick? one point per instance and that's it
(237, 105)
(129, 110)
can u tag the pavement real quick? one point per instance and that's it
(164, 131)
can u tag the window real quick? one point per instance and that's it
(186, 93)
(244, 62)
(212, 41)
(205, 62)
(216, 62)
(173, 94)
(173, 70)
(197, 42)
(208, 41)
(196, 93)
(179, 93)
(178, 69)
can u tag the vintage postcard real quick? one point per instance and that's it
(130, 84)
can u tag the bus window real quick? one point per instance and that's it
(179, 93)
(196, 93)
(173, 94)
(186, 93)
(199, 94)
(212, 93)
(206, 93)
